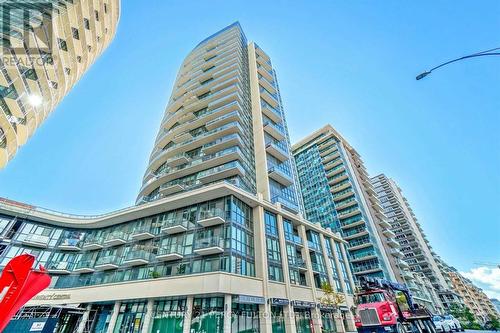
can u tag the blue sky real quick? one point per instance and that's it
(348, 63)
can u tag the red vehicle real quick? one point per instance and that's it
(387, 307)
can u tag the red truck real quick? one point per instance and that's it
(388, 307)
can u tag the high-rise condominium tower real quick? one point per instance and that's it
(224, 122)
(46, 47)
(337, 193)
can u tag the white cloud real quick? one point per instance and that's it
(487, 278)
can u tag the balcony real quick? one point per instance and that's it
(209, 218)
(366, 269)
(84, 266)
(294, 239)
(92, 243)
(392, 242)
(280, 176)
(339, 187)
(60, 267)
(362, 256)
(142, 233)
(353, 224)
(36, 241)
(222, 143)
(116, 238)
(137, 258)
(317, 268)
(397, 253)
(384, 224)
(170, 253)
(224, 171)
(298, 263)
(279, 153)
(70, 244)
(360, 245)
(349, 212)
(313, 246)
(107, 263)
(271, 112)
(389, 233)
(178, 160)
(209, 246)
(274, 130)
(171, 189)
(223, 120)
(337, 179)
(359, 233)
(175, 226)
(181, 137)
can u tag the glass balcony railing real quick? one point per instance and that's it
(138, 255)
(362, 255)
(84, 264)
(37, 239)
(171, 249)
(313, 245)
(293, 238)
(117, 235)
(211, 213)
(60, 266)
(208, 242)
(108, 260)
(70, 243)
(297, 262)
(316, 267)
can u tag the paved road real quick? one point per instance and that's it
(475, 331)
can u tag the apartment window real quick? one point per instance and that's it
(86, 23)
(75, 32)
(105, 8)
(79, 59)
(62, 44)
(67, 70)
(96, 15)
(89, 48)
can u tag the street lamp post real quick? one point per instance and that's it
(490, 52)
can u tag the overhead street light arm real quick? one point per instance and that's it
(479, 54)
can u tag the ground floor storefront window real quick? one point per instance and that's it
(102, 317)
(328, 321)
(130, 317)
(245, 318)
(168, 315)
(303, 320)
(277, 319)
(208, 315)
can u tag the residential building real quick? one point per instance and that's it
(224, 122)
(474, 298)
(337, 193)
(410, 235)
(47, 47)
(217, 242)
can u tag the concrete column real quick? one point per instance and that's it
(114, 317)
(289, 315)
(351, 326)
(265, 318)
(228, 302)
(347, 266)
(305, 254)
(148, 318)
(85, 317)
(339, 270)
(188, 315)
(326, 258)
(339, 323)
(316, 319)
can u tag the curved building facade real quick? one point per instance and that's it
(46, 47)
(215, 259)
(224, 122)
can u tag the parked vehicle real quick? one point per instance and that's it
(387, 307)
(453, 322)
(441, 325)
